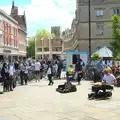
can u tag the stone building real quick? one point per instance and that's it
(12, 35)
(101, 33)
(49, 47)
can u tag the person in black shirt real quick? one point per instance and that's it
(78, 70)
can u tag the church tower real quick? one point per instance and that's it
(21, 19)
(14, 9)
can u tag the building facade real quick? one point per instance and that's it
(22, 30)
(9, 43)
(12, 36)
(49, 47)
(101, 12)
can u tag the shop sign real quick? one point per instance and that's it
(7, 51)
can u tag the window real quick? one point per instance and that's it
(39, 49)
(99, 28)
(99, 13)
(46, 49)
(117, 11)
(57, 49)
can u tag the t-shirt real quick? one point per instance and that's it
(49, 72)
(100, 66)
(37, 66)
(70, 70)
(109, 79)
(11, 70)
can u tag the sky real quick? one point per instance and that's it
(42, 14)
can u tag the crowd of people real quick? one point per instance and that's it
(20, 72)
(101, 72)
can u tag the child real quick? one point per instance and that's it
(108, 78)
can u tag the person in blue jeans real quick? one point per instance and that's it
(100, 67)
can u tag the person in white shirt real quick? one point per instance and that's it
(108, 78)
(37, 70)
(49, 73)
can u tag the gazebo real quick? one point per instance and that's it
(105, 52)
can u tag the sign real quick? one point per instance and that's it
(6, 51)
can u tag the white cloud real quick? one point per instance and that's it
(47, 13)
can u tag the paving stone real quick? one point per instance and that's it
(38, 101)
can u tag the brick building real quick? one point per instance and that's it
(12, 34)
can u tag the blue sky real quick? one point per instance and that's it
(17, 2)
(42, 14)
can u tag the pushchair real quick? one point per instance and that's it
(100, 91)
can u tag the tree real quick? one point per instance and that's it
(31, 47)
(116, 34)
(40, 34)
(95, 56)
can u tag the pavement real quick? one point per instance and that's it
(38, 101)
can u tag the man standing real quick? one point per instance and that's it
(59, 69)
(22, 71)
(78, 70)
(37, 70)
(49, 73)
(100, 67)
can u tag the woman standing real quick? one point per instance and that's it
(11, 74)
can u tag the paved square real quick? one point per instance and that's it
(38, 101)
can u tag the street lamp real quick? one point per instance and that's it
(42, 39)
(50, 56)
(89, 8)
(35, 48)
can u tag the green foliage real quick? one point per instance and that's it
(31, 47)
(95, 56)
(40, 34)
(116, 34)
(118, 57)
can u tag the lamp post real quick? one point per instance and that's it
(35, 48)
(50, 47)
(42, 39)
(89, 8)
